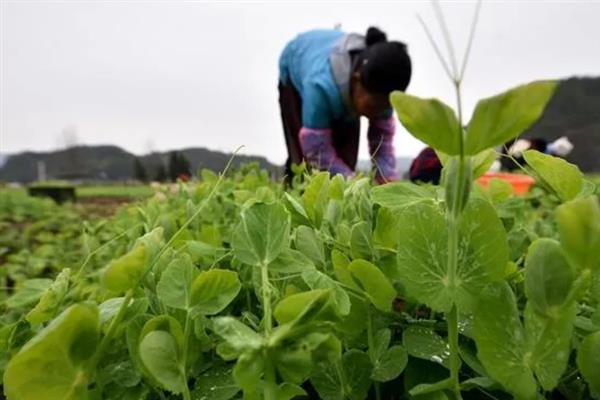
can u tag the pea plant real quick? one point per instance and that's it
(453, 255)
(232, 287)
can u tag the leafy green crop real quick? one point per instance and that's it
(232, 287)
(334, 289)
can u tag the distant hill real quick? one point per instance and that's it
(574, 111)
(110, 163)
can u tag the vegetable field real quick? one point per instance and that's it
(234, 287)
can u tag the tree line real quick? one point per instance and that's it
(177, 167)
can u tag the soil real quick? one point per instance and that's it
(101, 207)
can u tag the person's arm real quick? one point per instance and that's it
(317, 148)
(381, 147)
(316, 136)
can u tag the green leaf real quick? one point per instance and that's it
(121, 373)
(357, 373)
(374, 283)
(201, 251)
(588, 361)
(291, 261)
(336, 188)
(213, 290)
(238, 336)
(385, 235)
(249, 369)
(355, 322)
(152, 242)
(548, 276)
(215, 384)
(390, 365)
(340, 268)
(174, 287)
(288, 391)
(293, 361)
(333, 214)
(500, 118)
(167, 324)
(401, 194)
(579, 228)
(360, 241)
(51, 365)
(348, 379)
(110, 308)
(124, 273)
(318, 280)
(424, 343)
(499, 190)
(316, 196)
(423, 255)
(481, 162)
(309, 244)
(562, 177)
(262, 233)
(501, 341)
(295, 207)
(481, 382)
(159, 353)
(29, 292)
(297, 305)
(458, 179)
(48, 305)
(381, 343)
(429, 120)
(549, 343)
(133, 337)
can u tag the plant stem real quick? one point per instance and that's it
(581, 284)
(460, 120)
(270, 392)
(186, 342)
(446, 35)
(436, 48)
(453, 219)
(266, 299)
(112, 328)
(452, 248)
(270, 378)
(371, 344)
(452, 318)
(186, 391)
(470, 42)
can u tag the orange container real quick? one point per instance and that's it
(519, 182)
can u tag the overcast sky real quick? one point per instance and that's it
(159, 75)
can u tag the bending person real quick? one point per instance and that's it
(328, 80)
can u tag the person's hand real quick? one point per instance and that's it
(518, 147)
(381, 180)
(561, 147)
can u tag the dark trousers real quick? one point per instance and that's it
(346, 132)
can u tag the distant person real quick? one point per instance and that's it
(328, 79)
(426, 167)
(561, 147)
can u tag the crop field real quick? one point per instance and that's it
(235, 286)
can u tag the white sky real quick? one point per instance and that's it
(159, 75)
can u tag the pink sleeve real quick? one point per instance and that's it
(381, 147)
(317, 148)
